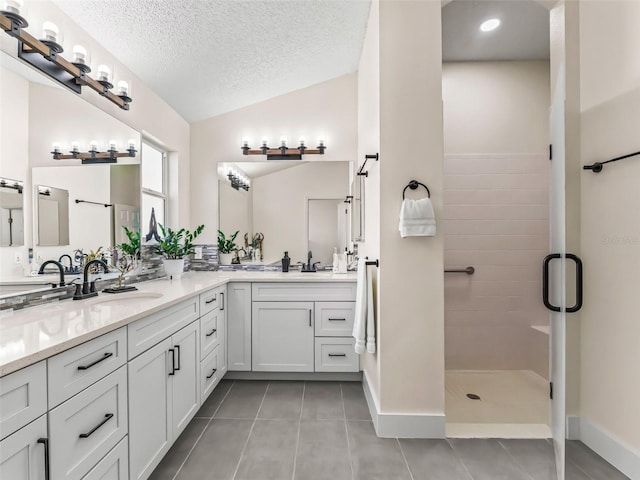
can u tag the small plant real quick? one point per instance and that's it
(132, 248)
(227, 245)
(177, 244)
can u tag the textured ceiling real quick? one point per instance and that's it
(522, 35)
(207, 57)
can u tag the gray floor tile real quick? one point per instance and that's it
(243, 400)
(323, 452)
(374, 458)
(591, 463)
(179, 451)
(283, 400)
(536, 457)
(322, 400)
(355, 404)
(432, 460)
(270, 452)
(572, 472)
(217, 454)
(486, 459)
(209, 407)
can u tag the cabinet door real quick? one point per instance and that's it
(222, 361)
(21, 456)
(184, 382)
(282, 336)
(238, 307)
(149, 410)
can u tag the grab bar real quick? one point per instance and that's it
(468, 270)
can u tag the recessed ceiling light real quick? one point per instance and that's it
(490, 25)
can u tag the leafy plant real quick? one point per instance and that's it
(132, 248)
(227, 245)
(177, 244)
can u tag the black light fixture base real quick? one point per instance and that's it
(83, 67)
(54, 46)
(106, 84)
(47, 67)
(284, 157)
(125, 98)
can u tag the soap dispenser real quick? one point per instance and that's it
(285, 262)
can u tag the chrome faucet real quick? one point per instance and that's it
(60, 267)
(87, 290)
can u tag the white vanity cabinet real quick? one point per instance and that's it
(213, 340)
(238, 308)
(282, 337)
(22, 454)
(303, 327)
(164, 396)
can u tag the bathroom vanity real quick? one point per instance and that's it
(102, 388)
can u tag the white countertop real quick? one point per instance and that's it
(33, 334)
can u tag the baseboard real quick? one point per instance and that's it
(299, 376)
(402, 425)
(573, 427)
(622, 456)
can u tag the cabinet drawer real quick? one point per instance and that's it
(23, 397)
(85, 428)
(209, 301)
(336, 355)
(144, 334)
(285, 292)
(74, 370)
(115, 466)
(212, 369)
(211, 331)
(334, 319)
(21, 456)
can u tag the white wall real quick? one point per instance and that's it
(400, 100)
(610, 73)
(326, 109)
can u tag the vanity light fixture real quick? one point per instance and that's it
(44, 54)
(238, 181)
(14, 184)
(93, 156)
(283, 152)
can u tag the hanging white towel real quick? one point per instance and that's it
(364, 327)
(417, 218)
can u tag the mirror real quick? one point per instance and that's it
(35, 113)
(11, 213)
(293, 204)
(52, 216)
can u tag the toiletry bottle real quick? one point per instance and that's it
(285, 262)
(335, 260)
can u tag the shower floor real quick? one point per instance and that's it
(513, 404)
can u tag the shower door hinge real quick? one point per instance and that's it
(550, 152)
(551, 390)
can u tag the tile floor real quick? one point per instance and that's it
(251, 430)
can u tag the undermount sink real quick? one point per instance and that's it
(123, 297)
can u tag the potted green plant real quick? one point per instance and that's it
(226, 247)
(174, 246)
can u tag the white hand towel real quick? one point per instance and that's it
(364, 321)
(417, 218)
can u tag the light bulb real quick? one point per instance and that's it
(80, 55)
(93, 146)
(13, 6)
(123, 88)
(113, 145)
(75, 146)
(50, 32)
(302, 140)
(104, 74)
(265, 141)
(321, 141)
(131, 144)
(283, 141)
(56, 147)
(245, 141)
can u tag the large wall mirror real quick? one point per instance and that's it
(295, 206)
(35, 113)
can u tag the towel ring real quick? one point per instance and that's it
(413, 184)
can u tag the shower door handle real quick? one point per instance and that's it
(545, 282)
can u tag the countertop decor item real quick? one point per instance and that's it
(174, 246)
(226, 247)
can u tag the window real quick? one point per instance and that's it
(154, 182)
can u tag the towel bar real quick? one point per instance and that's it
(468, 270)
(376, 262)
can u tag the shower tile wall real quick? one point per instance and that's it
(496, 219)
